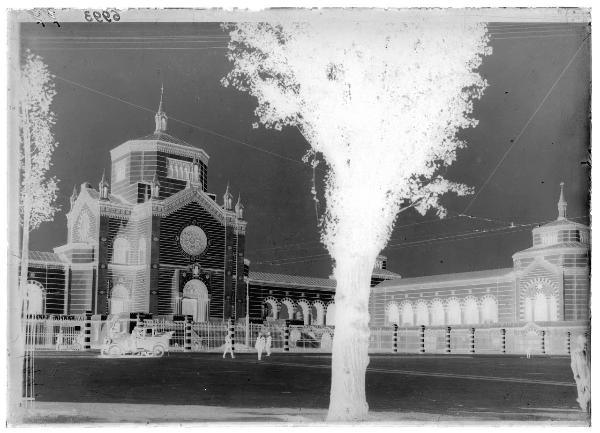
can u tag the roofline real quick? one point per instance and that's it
(158, 146)
(406, 282)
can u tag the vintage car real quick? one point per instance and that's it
(141, 342)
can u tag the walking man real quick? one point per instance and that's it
(260, 345)
(268, 344)
(580, 364)
(228, 346)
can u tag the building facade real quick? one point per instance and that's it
(153, 240)
(549, 282)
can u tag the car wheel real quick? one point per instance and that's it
(158, 351)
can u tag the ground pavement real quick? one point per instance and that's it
(203, 387)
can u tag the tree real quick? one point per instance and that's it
(37, 191)
(383, 104)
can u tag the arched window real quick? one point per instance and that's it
(287, 310)
(319, 314)
(304, 310)
(437, 313)
(422, 314)
(330, 318)
(471, 312)
(408, 317)
(540, 308)
(392, 315)
(36, 298)
(121, 251)
(454, 314)
(528, 310)
(553, 307)
(270, 309)
(142, 251)
(489, 310)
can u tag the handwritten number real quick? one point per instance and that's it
(102, 16)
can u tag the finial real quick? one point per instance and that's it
(562, 203)
(160, 118)
(74, 195)
(239, 207)
(227, 198)
(162, 90)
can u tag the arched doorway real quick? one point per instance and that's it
(119, 300)
(36, 297)
(454, 313)
(408, 318)
(318, 315)
(304, 311)
(195, 300)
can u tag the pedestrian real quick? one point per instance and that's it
(580, 364)
(228, 345)
(268, 344)
(260, 345)
(59, 340)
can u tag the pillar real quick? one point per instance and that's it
(543, 342)
(231, 330)
(568, 342)
(395, 339)
(448, 329)
(472, 341)
(422, 338)
(187, 342)
(87, 331)
(286, 337)
(503, 331)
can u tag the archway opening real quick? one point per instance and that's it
(195, 300)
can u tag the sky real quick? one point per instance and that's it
(533, 133)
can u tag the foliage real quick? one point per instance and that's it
(38, 191)
(381, 102)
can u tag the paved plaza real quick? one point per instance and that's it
(203, 387)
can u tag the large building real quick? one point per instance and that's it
(549, 282)
(153, 240)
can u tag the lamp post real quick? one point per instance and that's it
(247, 342)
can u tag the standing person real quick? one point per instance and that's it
(228, 345)
(580, 364)
(260, 345)
(268, 344)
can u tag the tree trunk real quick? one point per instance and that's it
(351, 338)
(18, 298)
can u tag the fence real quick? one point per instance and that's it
(82, 333)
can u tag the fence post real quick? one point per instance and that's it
(543, 342)
(87, 331)
(187, 332)
(286, 337)
(568, 342)
(395, 339)
(472, 341)
(231, 330)
(503, 331)
(448, 349)
(422, 338)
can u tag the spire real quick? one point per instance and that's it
(562, 204)
(160, 119)
(103, 187)
(227, 199)
(239, 207)
(73, 196)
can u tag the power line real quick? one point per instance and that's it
(457, 236)
(516, 140)
(235, 140)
